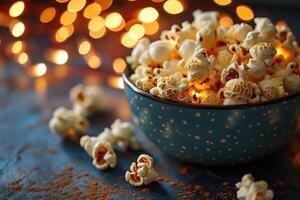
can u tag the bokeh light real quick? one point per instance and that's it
(116, 82)
(137, 31)
(17, 9)
(23, 58)
(226, 21)
(60, 57)
(97, 34)
(17, 47)
(148, 15)
(96, 24)
(48, 15)
(76, 5)
(94, 62)
(17, 29)
(151, 28)
(62, 34)
(113, 20)
(223, 2)
(173, 7)
(68, 17)
(38, 70)
(128, 41)
(244, 12)
(62, 1)
(105, 4)
(119, 65)
(84, 47)
(92, 10)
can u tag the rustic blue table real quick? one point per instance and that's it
(34, 164)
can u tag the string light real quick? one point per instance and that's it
(47, 15)
(92, 10)
(105, 4)
(38, 69)
(97, 34)
(148, 15)
(68, 18)
(23, 58)
(17, 29)
(17, 47)
(62, 34)
(96, 24)
(151, 28)
(60, 57)
(84, 47)
(119, 65)
(137, 31)
(244, 12)
(223, 2)
(127, 40)
(173, 7)
(113, 20)
(76, 5)
(17, 9)
(94, 62)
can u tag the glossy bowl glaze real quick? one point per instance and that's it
(213, 135)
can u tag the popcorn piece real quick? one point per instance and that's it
(141, 173)
(87, 99)
(286, 38)
(66, 123)
(145, 83)
(241, 90)
(160, 51)
(137, 51)
(210, 97)
(234, 71)
(237, 32)
(291, 77)
(252, 38)
(145, 59)
(187, 48)
(265, 27)
(124, 134)
(224, 58)
(208, 19)
(271, 88)
(251, 190)
(140, 72)
(102, 152)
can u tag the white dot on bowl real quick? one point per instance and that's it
(159, 117)
(172, 144)
(210, 131)
(207, 149)
(183, 147)
(184, 122)
(197, 114)
(195, 147)
(212, 120)
(197, 137)
(151, 105)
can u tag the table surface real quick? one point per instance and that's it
(35, 164)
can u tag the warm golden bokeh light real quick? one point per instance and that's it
(158, 1)
(84, 47)
(23, 58)
(105, 4)
(113, 20)
(281, 23)
(148, 15)
(97, 34)
(244, 12)
(115, 82)
(119, 65)
(128, 41)
(62, 1)
(37, 70)
(48, 15)
(94, 62)
(60, 57)
(223, 2)
(137, 31)
(17, 47)
(76, 5)
(151, 28)
(283, 52)
(68, 17)
(18, 29)
(62, 34)
(92, 10)
(96, 24)
(226, 21)
(173, 7)
(17, 9)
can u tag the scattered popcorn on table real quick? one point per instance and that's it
(142, 172)
(205, 63)
(251, 190)
(66, 123)
(101, 151)
(87, 99)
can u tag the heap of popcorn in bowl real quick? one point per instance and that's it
(206, 63)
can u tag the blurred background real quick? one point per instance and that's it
(46, 41)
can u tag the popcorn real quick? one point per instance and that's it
(204, 62)
(251, 190)
(142, 172)
(265, 27)
(66, 123)
(137, 51)
(124, 134)
(101, 151)
(87, 99)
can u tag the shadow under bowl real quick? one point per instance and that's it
(213, 135)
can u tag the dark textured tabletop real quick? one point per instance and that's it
(35, 164)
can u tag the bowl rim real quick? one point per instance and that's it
(126, 80)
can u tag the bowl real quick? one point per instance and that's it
(213, 135)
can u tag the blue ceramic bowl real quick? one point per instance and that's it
(212, 135)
